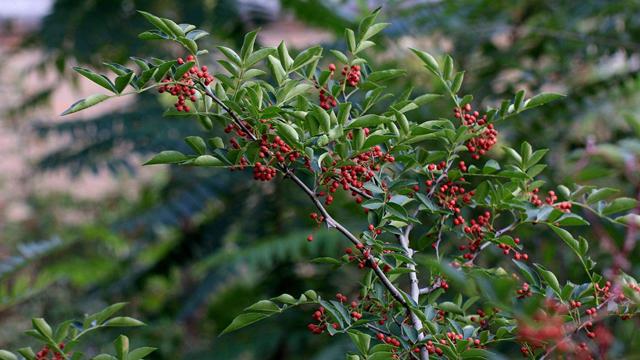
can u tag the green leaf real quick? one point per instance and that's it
(456, 84)
(374, 29)
(104, 357)
(277, 69)
(447, 68)
(122, 81)
(140, 353)
(368, 120)
(96, 78)
(428, 60)
(490, 167)
(571, 219)
(450, 307)
(566, 237)
(288, 132)
(600, 194)
(123, 321)
(513, 154)
(196, 35)
(27, 353)
(153, 35)
(258, 55)
(299, 89)
(5, 355)
(351, 40)
(163, 68)
(311, 294)
(526, 272)
(361, 340)
(340, 56)
(231, 55)
(375, 139)
(122, 346)
(542, 99)
(550, 278)
(618, 205)
(536, 157)
(425, 99)
(197, 144)
(85, 103)
(156, 21)
(207, 160)
(283, 54)
(244, 320)
(191, 45)
(518, 99)
(306, 57)
(248, 44)
(264, 306)
(286, 299)
(167, 157)
(104, 314)
(173, 27)
(42, 327)
(385, 75)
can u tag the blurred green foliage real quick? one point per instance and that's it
(194, 249)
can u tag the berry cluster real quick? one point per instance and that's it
(388, 339)
(476, 233)
(327, 101)
(432, 349)
(183, 88)
(524, 291)
(506, 249)
(351, 74)
(485, 134)
(353, 176)
(263, 172)
(575, 304)
(321, 318)
(564, 206)
(480, 319)
(451, 196)
(44, 353)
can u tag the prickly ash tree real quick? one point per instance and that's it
(433, 201)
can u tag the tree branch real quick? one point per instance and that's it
(415, 287)
(331, 223)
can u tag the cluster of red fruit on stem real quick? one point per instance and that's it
(486, 135)
(351, 74)
(506, 249)
(274, 151)
(388, 339)
(476, 234)
(183, 88)
(327, 101)
(44, 353)
(352, 177)
(550, 199)
(524, 291)
(320, 317)
(451, 195)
